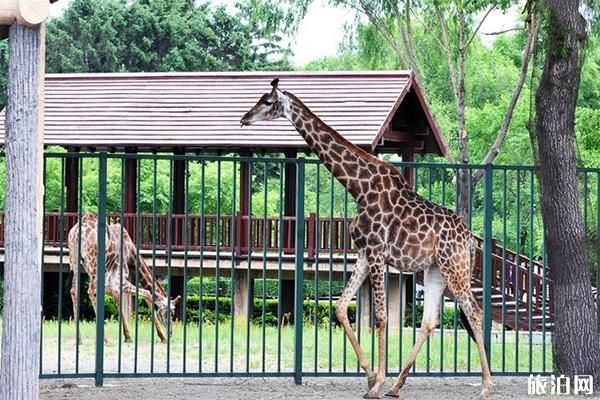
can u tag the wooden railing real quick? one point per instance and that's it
(225, 232)
(512, 276)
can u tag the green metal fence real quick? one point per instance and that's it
(259, 263)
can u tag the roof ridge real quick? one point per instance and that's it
(228, 74)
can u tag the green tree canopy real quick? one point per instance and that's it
(156, 35)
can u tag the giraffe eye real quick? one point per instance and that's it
(266, 102)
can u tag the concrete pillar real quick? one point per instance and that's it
(244, 288)
(365, 301)
(396, 303)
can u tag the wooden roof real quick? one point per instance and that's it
(201, 110)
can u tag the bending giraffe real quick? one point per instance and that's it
(151, 290)
(394, 226)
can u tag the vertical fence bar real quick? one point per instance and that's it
(186, 233)
(101, 270)
(299, 272)
(233, 274)
(280, 265)
(77, 313)
(61, 233)
(597, 251)
(487, 261)
(41, 350)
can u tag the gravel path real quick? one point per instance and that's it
(281, 388)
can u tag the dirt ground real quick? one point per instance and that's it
(280, 388)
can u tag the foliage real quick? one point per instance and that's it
(156, 35)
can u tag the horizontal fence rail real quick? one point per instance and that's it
(259, 250)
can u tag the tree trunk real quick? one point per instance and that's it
(575, 342)
(23, 223)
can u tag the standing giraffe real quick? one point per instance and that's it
(393, 226)
(114, 281)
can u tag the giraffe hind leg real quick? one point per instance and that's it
(434, 288)
(473, 313)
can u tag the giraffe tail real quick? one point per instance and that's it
(466, 324)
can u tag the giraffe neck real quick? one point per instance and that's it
(348, 163)
(146, 279)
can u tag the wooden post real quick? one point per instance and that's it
(130, 207)
(244, 206)
(24, 212)
(408, 155)
(244, 289)
(178, 208)
(289, 210)
(72, 183)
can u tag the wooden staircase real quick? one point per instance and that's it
(521, 290)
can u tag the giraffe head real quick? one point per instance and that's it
(165, 310)
(270, 106)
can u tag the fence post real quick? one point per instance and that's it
(299, 272)
(101, 270)
(487, 261)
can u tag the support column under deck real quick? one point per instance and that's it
(289, 210)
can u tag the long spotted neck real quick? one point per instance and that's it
(146, 277)
(350, 165)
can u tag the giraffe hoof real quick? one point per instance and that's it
(485, 393)
(393, 394)
(371, 394)
(371, 381)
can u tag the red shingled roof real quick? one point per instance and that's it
(203, 109)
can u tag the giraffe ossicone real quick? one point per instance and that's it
(394, 226)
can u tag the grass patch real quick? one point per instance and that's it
(226, 348)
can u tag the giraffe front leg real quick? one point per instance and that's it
(376, 275)
(361, 271)
(130, 289)
(126, 333)
(93, 299)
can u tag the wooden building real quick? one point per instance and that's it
(179, 113)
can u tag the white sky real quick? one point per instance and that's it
(322, 29)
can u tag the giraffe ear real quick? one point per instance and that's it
(275, 82)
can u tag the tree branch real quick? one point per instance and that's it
(527, 52)
(422, 22)
(501, 32)
(479, 26)
(379, 25)
(446, 48)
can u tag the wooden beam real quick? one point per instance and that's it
(26, 12)
(408, 135)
